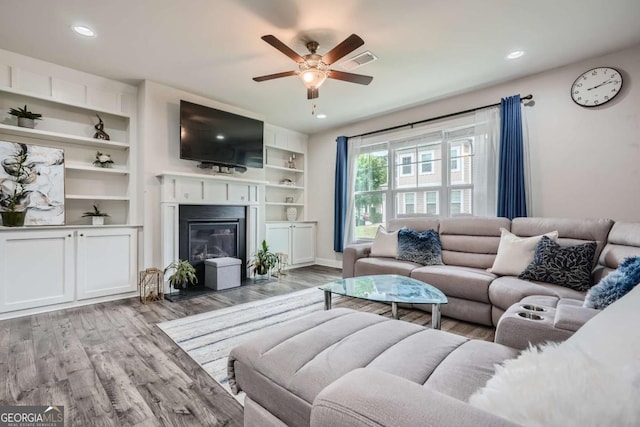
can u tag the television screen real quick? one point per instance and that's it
(214, 136)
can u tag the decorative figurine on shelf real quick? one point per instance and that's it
(103, 160)
(100, 133)
(292, 161)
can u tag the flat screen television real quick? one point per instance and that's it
(216, 137)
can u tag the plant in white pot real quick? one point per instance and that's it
(183, 275)
(263, 261)
(97, 216)
(26, 119)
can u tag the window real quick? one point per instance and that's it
(426, 162)
(455, 159)
(431, 202)
(441, 183)
(407, 165)
(409, 203)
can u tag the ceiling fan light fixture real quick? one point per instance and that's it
(312, 77)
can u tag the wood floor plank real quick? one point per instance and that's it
(109, 364)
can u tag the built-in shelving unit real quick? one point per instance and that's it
(285, 164)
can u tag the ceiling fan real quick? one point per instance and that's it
(313, 69)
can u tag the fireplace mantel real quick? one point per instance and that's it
(179, 188)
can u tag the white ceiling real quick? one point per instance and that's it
(427, 49)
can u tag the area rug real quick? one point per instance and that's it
(209, 337)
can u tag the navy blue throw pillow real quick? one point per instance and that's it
(568, 266)
(614, 285)
(423, 248)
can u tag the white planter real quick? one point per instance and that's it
(292, 214)
(97, 220)
(24, 122)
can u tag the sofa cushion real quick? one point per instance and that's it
(566, 266)
(471, 242)
(461, 282)
(508, 290)
(385, 244)
(423, 248)
(372, 265)
(615, 285)
(515, 253)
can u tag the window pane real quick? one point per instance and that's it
(406, 204)
(372, 171)
(370, 208)
(461, 202)
(432, 202)
(461, 160)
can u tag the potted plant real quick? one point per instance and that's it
(26, 119)
(103, 160)
(13, 195)
(97, 217)
(182, 276)
(263, 261)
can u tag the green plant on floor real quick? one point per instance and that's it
(263, 261)
(183, 274)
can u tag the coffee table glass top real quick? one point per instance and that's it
(387, 288)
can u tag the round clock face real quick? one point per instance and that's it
(596, 87)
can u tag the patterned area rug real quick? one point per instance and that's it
(209, 337)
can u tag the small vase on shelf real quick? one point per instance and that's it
(292, 213)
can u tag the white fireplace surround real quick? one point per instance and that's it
(197, 189)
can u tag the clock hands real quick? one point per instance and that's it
(601, 84)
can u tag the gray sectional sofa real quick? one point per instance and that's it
(469, 247)
(347, 368)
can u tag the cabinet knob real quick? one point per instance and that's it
(68, 235)
(81, 234)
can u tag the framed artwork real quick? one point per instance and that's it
(32, 179)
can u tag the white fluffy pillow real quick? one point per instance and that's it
(385, 243)
(516, 253)
(561, 385)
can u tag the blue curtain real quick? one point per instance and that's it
(512, 201)
(340, 194)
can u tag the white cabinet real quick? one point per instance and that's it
(36, 269)
(64, 265)
(106, 262)
(69, 102)
(295, 239)
(285, 165)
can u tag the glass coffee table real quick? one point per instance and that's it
(390, 288)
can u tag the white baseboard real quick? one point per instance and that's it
(329, 262)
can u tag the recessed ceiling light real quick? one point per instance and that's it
(321, 116)
(219, 136)
(515, 54)
(84, 30)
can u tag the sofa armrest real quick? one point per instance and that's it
(572, 317)
(351, 254)
(369, 397)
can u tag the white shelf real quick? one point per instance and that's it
(292, 187)
(284, 204)
(57, 101)
(282, 168)
(61, 137)
(95, 169)
(94, 197)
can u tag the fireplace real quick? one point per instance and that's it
(211, 231)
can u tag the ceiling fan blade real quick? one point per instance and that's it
(312, 93)
(350, 44)
(350, 77)
(275, 76)
(273, 41)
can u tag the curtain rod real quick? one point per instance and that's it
(446, 116)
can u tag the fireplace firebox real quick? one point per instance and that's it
(211, 231)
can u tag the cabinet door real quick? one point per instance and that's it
(278, 237)
(303, 243)
(36, 269)
(106, 262)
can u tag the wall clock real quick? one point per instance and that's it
(596, 86)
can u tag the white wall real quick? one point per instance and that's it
(585, 162)
(159, 139)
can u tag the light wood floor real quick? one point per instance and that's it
(110, 365)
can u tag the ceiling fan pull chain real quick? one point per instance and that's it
(313, 109)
